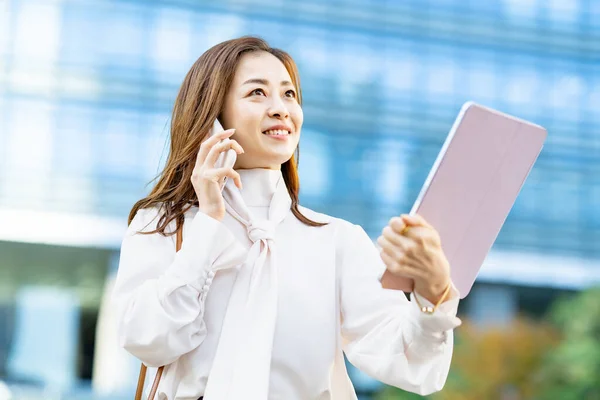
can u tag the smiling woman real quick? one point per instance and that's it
(258, 297)
(262, 105)
(249, 87)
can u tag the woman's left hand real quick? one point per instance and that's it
(411, 248)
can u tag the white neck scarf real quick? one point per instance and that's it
(242, 363)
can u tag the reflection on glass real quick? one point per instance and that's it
(314, 167)
(37, 32)
(171, 44)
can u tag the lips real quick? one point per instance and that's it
(277, 132)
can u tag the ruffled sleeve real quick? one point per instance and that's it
(385, 335)
(159, 295)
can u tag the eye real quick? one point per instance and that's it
(291, 93)
(258, 92)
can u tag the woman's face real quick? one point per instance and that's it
(262, 107)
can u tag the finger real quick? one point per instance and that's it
(395, 238)
(399, 267)
(421, 235)
(397, 224)
(209, 143)
(407, 253)
(402, 256)
(213, 154)
(236, 179)
(408, 247)
(414, 220)
(217, 174)
(385, 244)
(410, 270)
(415, 232)
(390, 261)
(237, 147)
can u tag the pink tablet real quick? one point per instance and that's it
(474, 183)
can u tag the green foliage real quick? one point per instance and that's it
(492, 362)
(572, 369)
(555, 359)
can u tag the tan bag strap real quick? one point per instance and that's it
(142, 377)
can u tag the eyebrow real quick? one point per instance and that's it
(264, 82)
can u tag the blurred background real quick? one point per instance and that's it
(86, 90)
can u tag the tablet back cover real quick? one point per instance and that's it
(474, 183)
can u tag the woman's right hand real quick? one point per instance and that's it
(206, 178)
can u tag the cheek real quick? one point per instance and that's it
(297, 117)
(227, 117)
(250, 116)
(246, 120)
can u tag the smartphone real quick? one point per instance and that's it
(227, 158)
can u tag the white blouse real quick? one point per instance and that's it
(170, 307)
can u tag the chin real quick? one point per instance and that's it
(277, 159)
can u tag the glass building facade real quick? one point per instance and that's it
(86, 90)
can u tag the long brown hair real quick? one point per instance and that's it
(199, 102)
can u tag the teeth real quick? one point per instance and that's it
(276, 132)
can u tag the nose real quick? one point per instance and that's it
(278, 109)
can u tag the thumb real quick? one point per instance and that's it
(414, 220)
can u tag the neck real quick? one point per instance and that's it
(259, 185)
(278, 168)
